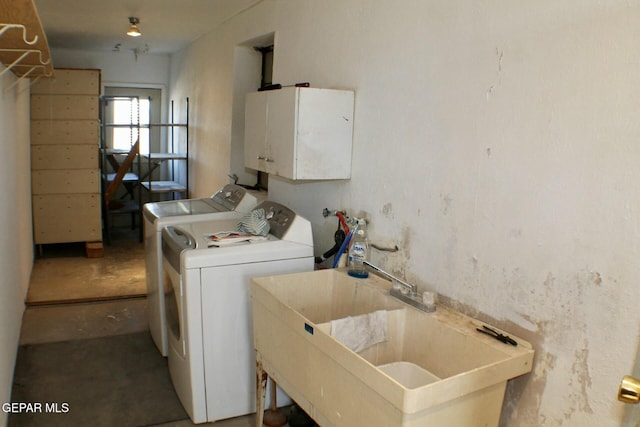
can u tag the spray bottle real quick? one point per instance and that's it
(359, 251)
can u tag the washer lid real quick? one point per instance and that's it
(182, 207)
(229, 198)
(245, 253)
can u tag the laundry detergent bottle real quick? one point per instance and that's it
(359, 251)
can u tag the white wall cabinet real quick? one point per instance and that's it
(300, 133)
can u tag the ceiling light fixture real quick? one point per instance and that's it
(134, 31)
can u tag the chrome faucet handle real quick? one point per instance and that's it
(410, 287)
(403, 288)
(406, 292)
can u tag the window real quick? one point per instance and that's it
(131, 120)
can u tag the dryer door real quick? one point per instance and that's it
(174, 242)
(172, 301)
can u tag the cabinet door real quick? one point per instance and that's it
(282, 111)
(64, 107)
(45, 157)
(65, 132)
(255, 130)
(59, 218)
(300, 133)
(66, 181)
(324, 134)
(69, 82)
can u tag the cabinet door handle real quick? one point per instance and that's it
(266, 159)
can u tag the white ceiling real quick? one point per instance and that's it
(166, 25)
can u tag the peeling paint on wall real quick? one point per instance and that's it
(525, 117)
(545, 363)
(446, 202)
(387, 210)
(582, 377)
(500, 55)
(564, 326)
(396, 262)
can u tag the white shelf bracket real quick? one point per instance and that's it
(25, 53)
(6, 27)
(28, 51)
(24, 76)
(14, 63)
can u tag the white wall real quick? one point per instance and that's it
(121, 69)
(124, 69)
(208, 83)
(496, 143)
(118, 67)
(16, 245)
(246, 73)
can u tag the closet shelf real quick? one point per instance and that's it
(144, 125)
(163, 186)
(165, 156)
(23, 44)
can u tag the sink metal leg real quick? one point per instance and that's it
(261, 389)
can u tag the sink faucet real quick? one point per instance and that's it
(426, 303)
(410, 287)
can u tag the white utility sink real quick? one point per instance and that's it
(408, 374)
(431, 369)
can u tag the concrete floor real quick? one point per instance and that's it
(63, 273)
(83, 320)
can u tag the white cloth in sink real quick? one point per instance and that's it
(361, 332)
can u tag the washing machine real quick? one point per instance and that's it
(210, 333)
(231, 201)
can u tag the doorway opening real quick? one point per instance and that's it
(131, 110)
(253, 69)
(126, 136)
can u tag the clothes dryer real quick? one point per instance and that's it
(210, 334)
(231, 201)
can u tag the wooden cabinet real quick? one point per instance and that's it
(77, 156)
(60, 107)
(66, 132)
(65, 157)
(300, 133)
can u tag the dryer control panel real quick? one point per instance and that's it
(229, 196)
(279, 216)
